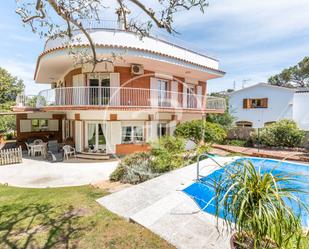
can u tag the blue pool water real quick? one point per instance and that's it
(203, 193)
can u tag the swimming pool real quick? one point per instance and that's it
(203, 194)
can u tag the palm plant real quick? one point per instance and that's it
(254, 203)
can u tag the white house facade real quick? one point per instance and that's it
(262, 104)
(120, 106)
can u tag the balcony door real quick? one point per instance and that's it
(96, 140)
(99, 89)
(191, 101)
(162, 93)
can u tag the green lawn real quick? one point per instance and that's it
(66, 218)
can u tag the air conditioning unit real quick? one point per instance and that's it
(137, 69)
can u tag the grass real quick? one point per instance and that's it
(66, 218)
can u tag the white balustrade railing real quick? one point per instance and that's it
(126, 97)
(23, 100)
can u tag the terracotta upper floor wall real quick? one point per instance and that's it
(133, 81)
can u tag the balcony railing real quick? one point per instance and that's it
(126, 97)
(23, 100)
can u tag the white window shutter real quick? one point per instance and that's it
(153, 91)
(199, 96)
(25, 125)
(115, 89)
(53, 125)
(174, 90)
(184, 96)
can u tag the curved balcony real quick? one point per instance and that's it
(122, 97)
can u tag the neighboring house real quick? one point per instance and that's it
(262, 104)
(151, 87)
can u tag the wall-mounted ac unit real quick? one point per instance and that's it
(137, 69)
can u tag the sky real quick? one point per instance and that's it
(252, 40)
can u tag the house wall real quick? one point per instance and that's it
(143, 81)
(22, 136)
(280, 105)
(300, 110)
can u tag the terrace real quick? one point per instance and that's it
(119, 97)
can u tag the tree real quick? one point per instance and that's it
(9, 87)
(193, 130)
(47, 17)
(295, 76)
(226, 120)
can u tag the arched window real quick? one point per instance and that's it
(244, 124)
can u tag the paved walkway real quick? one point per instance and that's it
(40, 174)
(161, 206)
(275, 154)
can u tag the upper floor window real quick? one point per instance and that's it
(255, 103)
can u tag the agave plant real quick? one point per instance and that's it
(254, 203)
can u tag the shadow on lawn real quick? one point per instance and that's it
(39, 226)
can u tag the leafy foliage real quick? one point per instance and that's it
(283, 133)
(193, 130)
(254, 203)
(7, 123)
(226, 120)
(297, 75)
(9, 86)
(168, 153)
(134, 169)
(165, 155)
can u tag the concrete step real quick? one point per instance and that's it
(93, 156)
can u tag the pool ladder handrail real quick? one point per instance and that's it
(198, 164)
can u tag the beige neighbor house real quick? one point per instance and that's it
(150, 87)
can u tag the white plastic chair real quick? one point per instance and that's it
(28, 148)
(68, 151)
(38, 141)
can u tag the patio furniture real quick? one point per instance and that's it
(68, 151)
(36, 148)
(54, 153)
(38, 141)
(28, 148)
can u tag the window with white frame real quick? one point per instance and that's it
(132, 134)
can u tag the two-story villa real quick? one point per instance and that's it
(119, 107)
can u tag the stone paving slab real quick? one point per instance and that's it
(161, 206)
(34, 173)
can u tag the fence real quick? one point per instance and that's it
(10, 156)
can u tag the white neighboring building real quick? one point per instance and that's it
(262, 104)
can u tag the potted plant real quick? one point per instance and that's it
(254, 205)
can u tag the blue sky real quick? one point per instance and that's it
(251, 39)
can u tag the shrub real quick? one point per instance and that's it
(134, 169)
(168, 153)
(236, 142)
(283, 133)
(193, 130)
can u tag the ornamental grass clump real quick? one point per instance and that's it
(254, 203)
